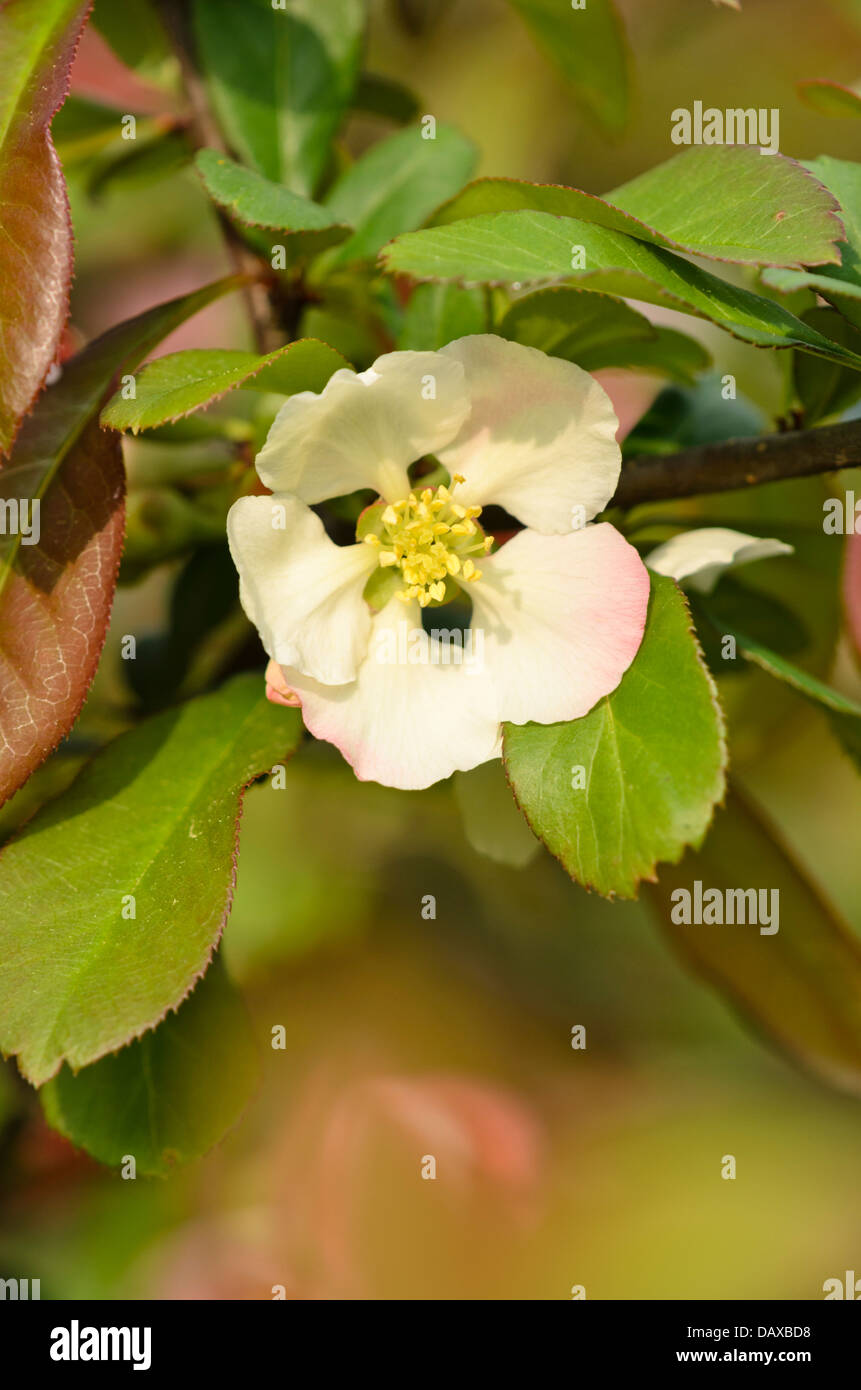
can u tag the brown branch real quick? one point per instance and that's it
(739, 463)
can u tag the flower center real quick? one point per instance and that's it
(430, 537)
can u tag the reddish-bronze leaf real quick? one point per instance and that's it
(37, 44)
(59, 559)
(57, 601)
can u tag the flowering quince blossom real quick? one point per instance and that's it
(700, 557)
(560, 608)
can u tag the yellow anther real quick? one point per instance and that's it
(428, 537)
(458, 478)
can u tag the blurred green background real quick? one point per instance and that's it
(451, 1037)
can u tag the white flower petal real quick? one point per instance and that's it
(701, 556)
(302, 592)
(404, 723)
(562, 617)
(540, 439)
(363, 430)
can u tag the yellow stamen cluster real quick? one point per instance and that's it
(430, 536)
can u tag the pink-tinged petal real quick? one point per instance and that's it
(277, 689)
(404, 722)
(364, 430)
(631, 393)
(699, 557)
(540, 438)
(302, 592)
(562, 617)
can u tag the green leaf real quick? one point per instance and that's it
(652, 756)
(280, 80)
(776, 665)
(844, 280)
(380, 96)
(588, 44)
(437, 314)
(395, 187)
(37, 45)
(830, 98)
(169, 1096)
(53, 777)
(849, 307)
(71, 403)
(724, 201)
(799, 986)
(843, 713)
(257, 202)
(735, 204)
(519, 247)
(55, 596)
(824, 388)
(153, 817)
(181, 382)
(596, 330)
(590, 329)
(763, 615)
